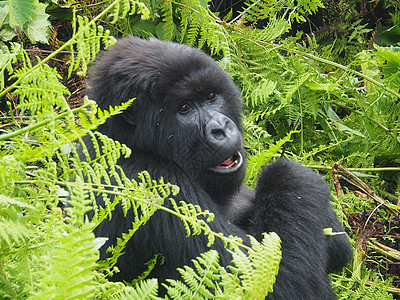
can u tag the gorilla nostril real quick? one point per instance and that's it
(218, 133)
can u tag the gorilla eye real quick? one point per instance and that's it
(211, 95)
(185, 108)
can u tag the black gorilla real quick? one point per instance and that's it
(185, 126)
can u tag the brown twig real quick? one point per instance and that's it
(335, 176)
(361, 186)
(383, 249)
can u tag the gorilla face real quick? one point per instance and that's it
(201, 134)
(187, 109)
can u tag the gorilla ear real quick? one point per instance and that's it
(129, 117)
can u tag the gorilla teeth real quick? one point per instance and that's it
(229, 165)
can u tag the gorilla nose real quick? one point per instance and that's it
(222, 132)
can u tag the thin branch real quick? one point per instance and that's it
(40, 124)
(366, 189)
(50, 51)
(382, 169)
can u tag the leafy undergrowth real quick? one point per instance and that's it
(318, 98)
(376, 232)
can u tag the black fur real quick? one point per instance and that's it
(183, 124)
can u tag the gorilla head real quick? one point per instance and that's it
(187, 109)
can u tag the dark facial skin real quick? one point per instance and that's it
(208, 131)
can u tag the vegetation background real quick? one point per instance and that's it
(320, 82)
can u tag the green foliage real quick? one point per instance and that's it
(88, 40)
(44, 254)
(255, 11)
(367, 287)
(251, 277)
(29, 15)
(47, 247)
(298, 101)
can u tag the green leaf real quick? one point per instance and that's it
(347, 129)
(21, 11)
(388, 37)
(37, 29)
(389, 58)
(7, 34)
(4, 12)
(146, 26)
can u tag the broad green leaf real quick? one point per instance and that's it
(147, 26)
(4, 12)
(347, 129)
(37, 29)
(7, 34)
(21, 11)
(388, 37)
(390, 61)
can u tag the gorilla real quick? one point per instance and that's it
(185, 126)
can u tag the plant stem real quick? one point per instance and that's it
(383, 169)
(346, 68)
(40, 124)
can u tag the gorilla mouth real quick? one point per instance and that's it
(230, 164)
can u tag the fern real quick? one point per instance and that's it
(258, 281)
(187, 213)
(37, 239)
(89, 37)
(41, 88)
(355, 288)
(65, 272)
(7, 58)
(14, 232)
(117, 290)
(143, 200)
(260, 10)
(167, 14)
(251, 277)
(198, 282)
(255, 162)
(144, 290)
(121, 9)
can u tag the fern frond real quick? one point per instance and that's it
(251, 277)
(255, 162)
(197, 26)
(67, 267)
(168, 19)
(146, 289)
(122, 8)
(199, 282)
(143, 198)
(189, 215)
(258, 281)
(7, 58)
(40, 91)
(275, 28)
(259, 92)
(14, 232)
(255, 10)
(88, 38)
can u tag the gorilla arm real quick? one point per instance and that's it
(294, 202)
